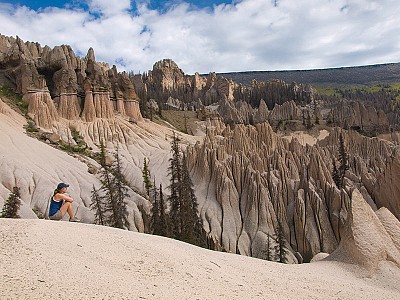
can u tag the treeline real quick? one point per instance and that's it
(385, 98)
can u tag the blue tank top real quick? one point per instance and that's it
(55, 206)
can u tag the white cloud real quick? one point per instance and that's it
(244, 35)
(109, 8)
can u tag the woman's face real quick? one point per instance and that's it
(63, 190)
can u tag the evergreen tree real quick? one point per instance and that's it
(107, 186)
(193, 231)
(117, 204)
(186, 224)
(114, 189)
(12, 205)
(267, 252)
(280, 251)
(338, 173)
(164, 221)
(155, 222)
(146, 177)
(335, 175)
(175, 173)
(343, 159)
(98, 206)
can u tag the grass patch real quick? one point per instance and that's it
(334, 90)
(183, 121)
(31, 127)
(14, 100)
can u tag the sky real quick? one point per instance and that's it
(214, 35)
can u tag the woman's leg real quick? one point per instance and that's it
(67, 207)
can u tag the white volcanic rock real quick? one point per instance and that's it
(387, 187)
(108, 263)
(366, 241)
(37, 167)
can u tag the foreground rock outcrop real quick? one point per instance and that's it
(370, 238)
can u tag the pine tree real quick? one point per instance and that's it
(114, 188)
(280, 251)
(193, 231)
(117, 205)
(155, 213)
(98, 206)
(338, 173)
(175, 173)
(107, 186)
(164, 220)
(335, 175)
(146, 177)
(12, 205)
(343, 159)
(267, 252)
(186, 225)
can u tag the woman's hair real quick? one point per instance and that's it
(56, 191)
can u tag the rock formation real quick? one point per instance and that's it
(369, 237)
(253, 179)
(248, 179)
(57, 84)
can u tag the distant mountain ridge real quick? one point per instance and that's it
(363, 75)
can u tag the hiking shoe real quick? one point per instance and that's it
(74, 220)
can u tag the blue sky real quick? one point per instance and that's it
(160, 5)
(214, 36)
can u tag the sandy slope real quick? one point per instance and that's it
(49, 259)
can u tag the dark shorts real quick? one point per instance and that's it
(57, 216)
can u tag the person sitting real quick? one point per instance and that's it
(61, 204)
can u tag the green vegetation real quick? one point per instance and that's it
(146, 176)
(80, 147)
(279, 248)
(184, 216)
(336, 90)
(14, 100)
(181, 120)
(108, 202)
(339, 172)
(12, 205)
(38, 213)
(31, 126)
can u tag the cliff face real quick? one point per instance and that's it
(167, 80)
(57, 84)
(254, 180)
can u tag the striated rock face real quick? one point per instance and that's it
(369, 238)
(239, 112)
(356, 114)
(286, 111)
(248, 179)
(387, 188)
(57, 84)
(166, 80)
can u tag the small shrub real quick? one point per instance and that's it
(31, 127)
(38, 213)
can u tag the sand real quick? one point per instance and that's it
(42, 259)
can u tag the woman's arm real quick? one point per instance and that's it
(64, 197)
